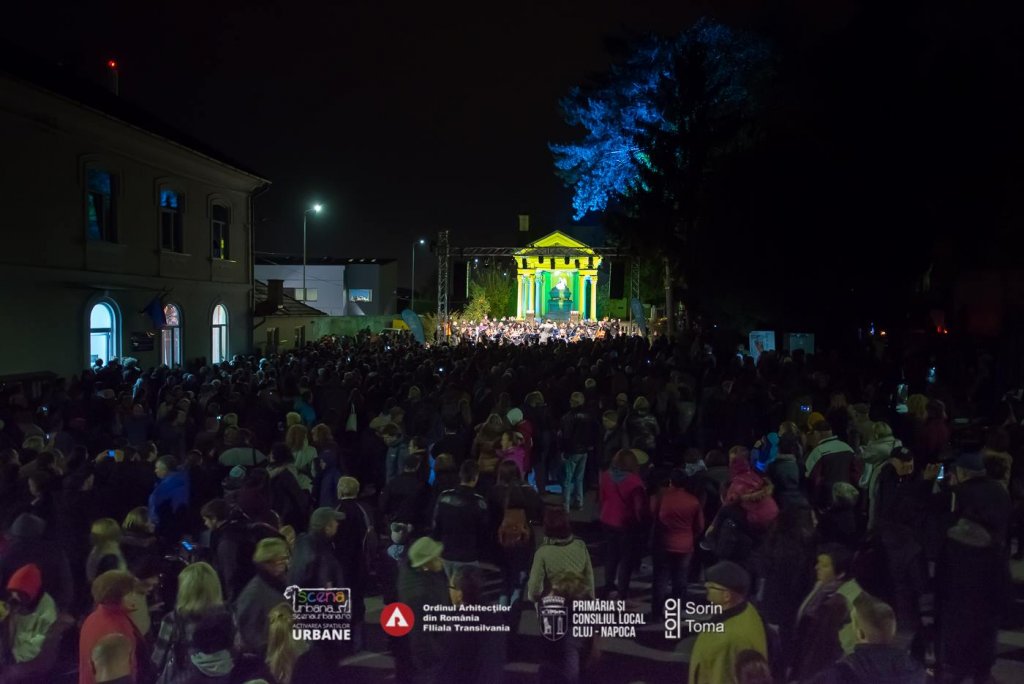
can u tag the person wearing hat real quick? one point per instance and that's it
(524, 427)
(28, 546)
(263, 592)
(976, 495)
(740, 628)
(32, 614)
(422, 582)
(315, 559)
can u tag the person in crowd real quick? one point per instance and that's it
(239, 449)
(823, 626)
(170, 498)
(624, 510)
(892, 482)
(446, 475)
(875, 452)
(972, 589)
(283, 650)
(111, 660)
(933, 438)
(997, 451)
(27, 621)
(829, 462)
(27, 545)
(980, 497)
(314, 560)
(263, 592)
(514, 509)
(750, 492)
(578, 436)
(422, 582)
(199, 597)
(406, 498)
(461, 521)
(228, 542)
(784, 474)
(642, 426)
(678, 523)
(614, 438)
(560, 553)
(714, 655)
(875, 656)
(513, 449)
(106, 549)
(397, 450)
(753, 668)
(114, 594)
(333, 464)
(522, 426)
(138, 536)
(571, 659)
(485, 652)
(356, 545)
(838, 522)
(304, 456)
(288, 499)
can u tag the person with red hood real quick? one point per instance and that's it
(750, 491)
(28, 617)
(114, 594)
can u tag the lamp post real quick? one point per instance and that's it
(412, 285)
(316, 210)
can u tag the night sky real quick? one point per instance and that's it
(891, 141)
(400, 119)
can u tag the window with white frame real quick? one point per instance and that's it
(104, 338)
(220, 334)
(172, 228)
(100, 205)
(170, 337)
(220, 231)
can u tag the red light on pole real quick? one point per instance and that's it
(111, 64)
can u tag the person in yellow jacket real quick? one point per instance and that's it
(736, 628)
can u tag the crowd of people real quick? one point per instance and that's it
(537, 330)
(154, 518)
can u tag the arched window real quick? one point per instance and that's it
(220, 334)
(170, 337)
(104, 337)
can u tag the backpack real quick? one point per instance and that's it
(514, 530)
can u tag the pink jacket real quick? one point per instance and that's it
(517, 454)
(760, 513)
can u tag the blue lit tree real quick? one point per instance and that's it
(656, 130)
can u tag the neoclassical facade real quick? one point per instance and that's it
(554, 284)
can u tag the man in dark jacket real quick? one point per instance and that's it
(315, 560)
(981, 498)
(461, 520)
(875, 660)
(784, 472)
(406, 498)
(230, 548)
(578, 437)
(831, 461)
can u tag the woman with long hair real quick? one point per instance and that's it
(283, 650)
(138, 538)
(106, 552)
(199, 597)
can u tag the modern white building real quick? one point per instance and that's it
(338, 286)
(108, 217)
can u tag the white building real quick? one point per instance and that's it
(105, 210)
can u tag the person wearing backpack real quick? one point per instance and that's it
(199, 597)
(514, 506)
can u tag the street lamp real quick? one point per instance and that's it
(412, 285)
(316, 210)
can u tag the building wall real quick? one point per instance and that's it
(327, 280)
(50, 272)
(381, 279)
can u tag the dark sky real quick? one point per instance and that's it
(400, 118)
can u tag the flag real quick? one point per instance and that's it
(155, 311)
(415, 325)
